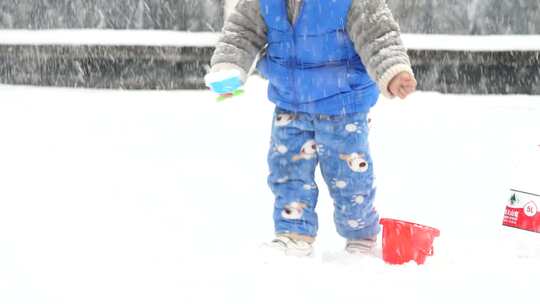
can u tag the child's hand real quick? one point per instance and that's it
(402, 85)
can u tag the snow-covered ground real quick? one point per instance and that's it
(161, 197)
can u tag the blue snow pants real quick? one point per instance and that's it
(340, 144)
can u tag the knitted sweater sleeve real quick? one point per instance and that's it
(376, 37)
(243, 37)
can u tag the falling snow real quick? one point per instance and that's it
(161, 197)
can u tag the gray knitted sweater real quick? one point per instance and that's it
(371, 27)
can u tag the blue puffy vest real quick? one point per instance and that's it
(312, 66)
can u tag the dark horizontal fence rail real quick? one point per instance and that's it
(169, 68)
(108, 67)
(486, 72)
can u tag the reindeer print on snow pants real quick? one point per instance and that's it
(340, 144)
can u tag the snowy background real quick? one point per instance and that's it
(475, 17)
(160, 196)
(108, 44)
(478, 17)
(178, 15)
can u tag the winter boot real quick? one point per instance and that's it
(291, 245)
(361, 247)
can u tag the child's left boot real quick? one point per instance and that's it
(362, 246)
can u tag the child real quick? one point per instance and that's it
(326, 62)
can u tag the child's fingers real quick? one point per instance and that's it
(409, 83)
(409, 89)
(405, 91)
(407, 80)
(402, 93)
(393, 90)
(404, 85)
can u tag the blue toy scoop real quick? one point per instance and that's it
(225, 86)
(224, 82)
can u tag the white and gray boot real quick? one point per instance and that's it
(292, 246)
(361, 247)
